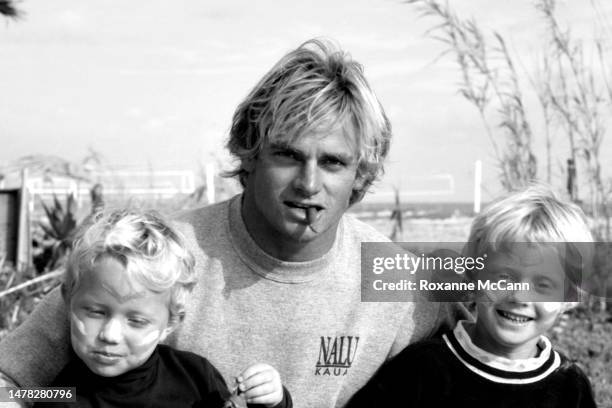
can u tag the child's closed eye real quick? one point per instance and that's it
(138, 322)
(94, 312)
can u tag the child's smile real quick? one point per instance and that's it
(517, 319)
(510, 323)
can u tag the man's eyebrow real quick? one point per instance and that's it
(281, 145)
(343, 157)
(285, 147)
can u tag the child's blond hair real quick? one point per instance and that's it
(533, 215)
(153, 254)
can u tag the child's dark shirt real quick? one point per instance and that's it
(169, 378)
(451, 371)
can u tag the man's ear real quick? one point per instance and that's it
(360, 182)
(248, 165)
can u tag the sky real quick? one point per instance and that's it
(153, 84)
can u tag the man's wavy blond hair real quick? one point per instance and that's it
(316, 86)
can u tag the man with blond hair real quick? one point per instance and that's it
(279, 264)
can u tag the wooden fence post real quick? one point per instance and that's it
(24, 241)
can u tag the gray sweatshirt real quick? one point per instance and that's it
(303, 318)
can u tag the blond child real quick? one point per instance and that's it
(503, 359)
(126, 283)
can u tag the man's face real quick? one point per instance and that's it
(297, 191)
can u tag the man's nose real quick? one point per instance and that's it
(111, 331)
(308, 181)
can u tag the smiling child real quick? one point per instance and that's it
(504, 358)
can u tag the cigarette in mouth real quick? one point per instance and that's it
(311, 214)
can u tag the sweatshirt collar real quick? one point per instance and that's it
(268, 266)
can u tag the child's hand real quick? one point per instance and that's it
(261, 384)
